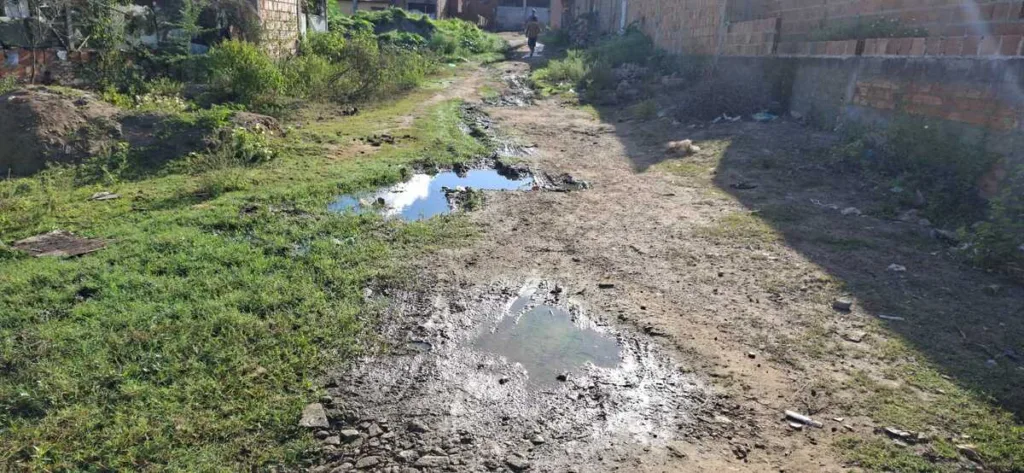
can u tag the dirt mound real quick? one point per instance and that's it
(40, 125)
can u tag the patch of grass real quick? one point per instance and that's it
(192, 342)
(742, 228)
(645, 110)
(883, 455)
(560, 75)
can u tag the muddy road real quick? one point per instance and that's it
(653, 319)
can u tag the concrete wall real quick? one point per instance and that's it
(513, 18)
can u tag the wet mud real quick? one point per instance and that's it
(507, 378)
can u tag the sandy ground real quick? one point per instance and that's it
(725, 264)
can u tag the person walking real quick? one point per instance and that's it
(533, 29)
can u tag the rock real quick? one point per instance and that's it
(751, 355)
(919, 200)
(562, 377)
(924, 222)
(517, 463)
(367, 462)
(374, 430)
(350, 434)
(993, 289)
(255, 122)
(537, 440)
(343, 467)
(332, 440)
(855, 337)
(896, 268)
(417, 427)
(970, 452)
(503, 380)
(842, 304)
(431, 461)
(321, 434)
(314, 416)
(946, 236)
(408, 456)
(851, 211)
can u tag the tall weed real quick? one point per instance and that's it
(241, 72)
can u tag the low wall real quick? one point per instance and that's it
(981, 99)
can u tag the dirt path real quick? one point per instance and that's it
(720, 270)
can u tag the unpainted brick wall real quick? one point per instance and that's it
(280, 20)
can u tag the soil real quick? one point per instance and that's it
(718, 273)
(38, 125)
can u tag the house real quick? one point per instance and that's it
(427, 7)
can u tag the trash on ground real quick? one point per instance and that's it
(891, 317)
(104, 196)
(58, 243)
(764, 117)
(896, 268)
(796, 416)
(681, 148)
(843, 304)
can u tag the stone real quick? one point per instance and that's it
(417, 427)
(431, 461)
(367, 462)
(970, 452)
(562, 377)
(332, 440)
(349, 434)
(408, 456)
(343, 467)
(855, 336)
(321, 434)
(314, 416)
(851, 211)
(537, 440)
(897, 268)
(517, 463)
(842, 304)
(374, 430)
(924, 222)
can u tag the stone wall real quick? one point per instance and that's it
(280, 20)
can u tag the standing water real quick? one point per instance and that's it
(547, 343)
(423, 196)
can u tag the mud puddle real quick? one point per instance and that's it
(546, 342)
(473, 381)
(425, 196)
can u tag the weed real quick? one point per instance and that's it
(562, 74)
(235, 147)
(742, 227)
(646, 110)
(1000, 239)
(241, 72)
(7, 84)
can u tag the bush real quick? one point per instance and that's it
(563, 73)
(1000, 239)
(240, 72)
(7, 84)
(235, 147)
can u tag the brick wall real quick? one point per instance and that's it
(801, 18)
(681, 26)
(43, 65)
(751, 38)
(280, 20)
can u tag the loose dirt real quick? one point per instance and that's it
(717, 273)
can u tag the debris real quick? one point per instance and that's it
(58, 243)
(763, 117)
(993, 289)
(101, 196)
(332, 440)
(408, 456)
(891, 317)
(562, 376)
(743, 185)
(431, 461)
(605, 285)
(681, 148)
(896, 268)
(314, 416)
(751, 355)
(537, 440)
(796, 426)
(727, 118)
(895, 433)
(991, 363)
(838, 419)
(851, 211)
(676, 451)
(842, 304)
(349, 434)
(795, 416)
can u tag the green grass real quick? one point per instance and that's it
(192, 342)
(742, 228)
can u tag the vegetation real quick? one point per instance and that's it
(192, 342)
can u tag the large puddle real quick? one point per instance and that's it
(547, 343)
(424, 196)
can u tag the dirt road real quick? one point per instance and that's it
(717, 274)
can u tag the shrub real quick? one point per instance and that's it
(632, 47)
(235, 147)
(7, 84)
(1000, 239)
(563, 73)
(240, 72)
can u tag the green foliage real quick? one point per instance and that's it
(106, 167)
(8, 84)
(921, 156)
(1000, 239)
(234, 147)
(563, 74)
(646, 110)
(241, 72)
(632, 47)
(867, 29)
